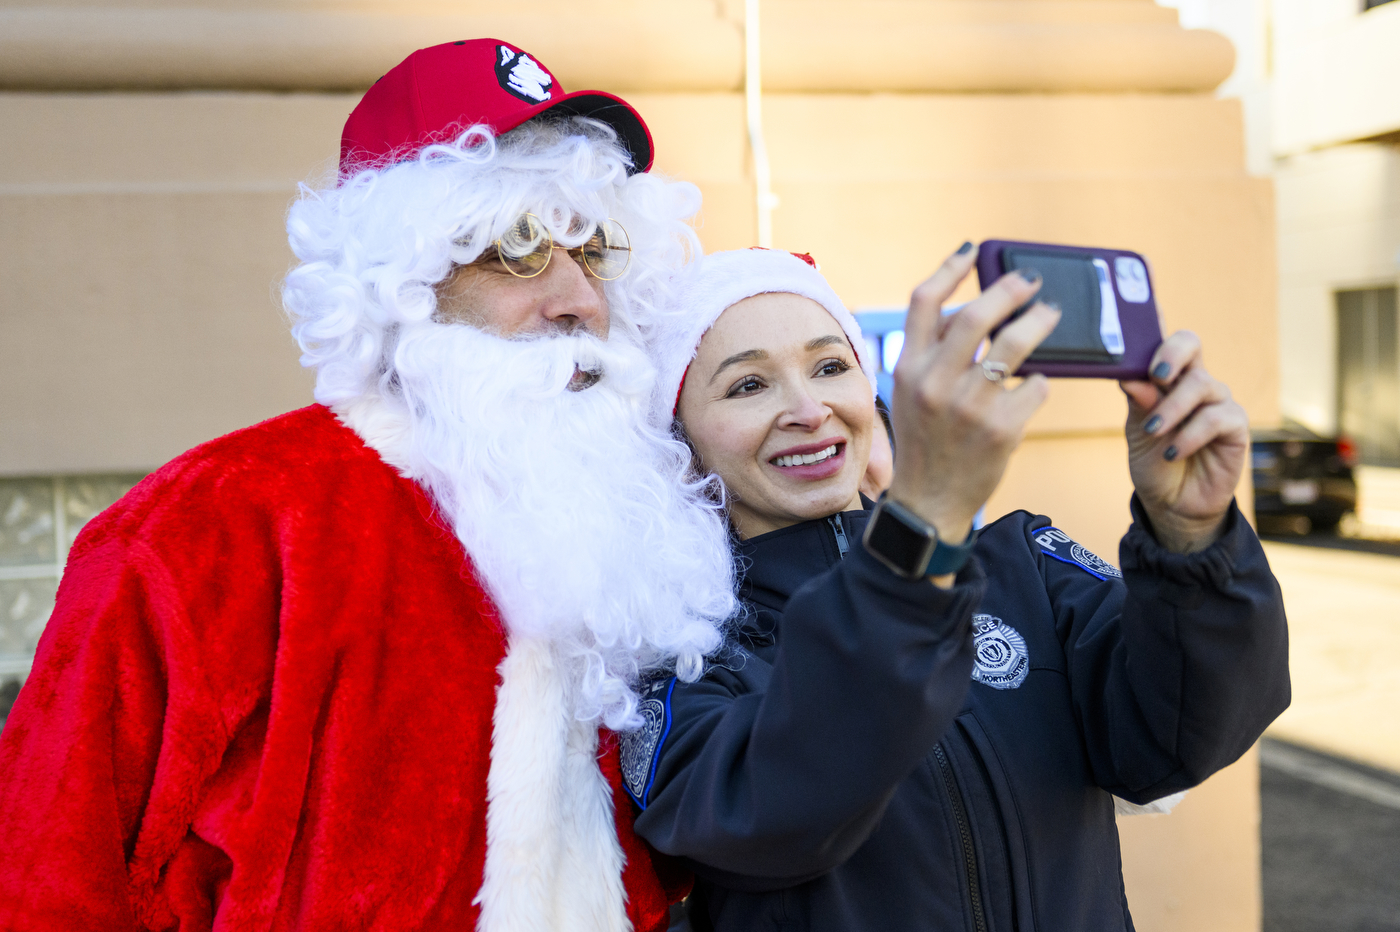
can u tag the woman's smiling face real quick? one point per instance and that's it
(775, 403)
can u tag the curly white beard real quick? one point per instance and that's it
(577, 515)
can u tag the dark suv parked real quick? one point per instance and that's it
(1302, 481)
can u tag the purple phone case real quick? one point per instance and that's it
(1142, 332)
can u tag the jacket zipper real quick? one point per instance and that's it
(842, 544)
(974, 885)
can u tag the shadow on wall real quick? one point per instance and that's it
(9, 692)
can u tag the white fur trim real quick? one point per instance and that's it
(708, 286)
(383, 427)
(590, 894)
(553, 861)
(1161, 806)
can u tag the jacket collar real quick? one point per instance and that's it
(777, 564)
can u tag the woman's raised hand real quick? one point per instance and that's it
(1187, 440)
(955, 424)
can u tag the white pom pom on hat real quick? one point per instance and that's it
(707, 287)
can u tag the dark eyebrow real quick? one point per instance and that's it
(750, 355)
(745, 356)
(828, 340)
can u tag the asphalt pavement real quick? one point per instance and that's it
(1330, 768)
(1331, 843)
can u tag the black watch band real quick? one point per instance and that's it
(909, 545)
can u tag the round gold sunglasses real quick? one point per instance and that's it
(527, 246)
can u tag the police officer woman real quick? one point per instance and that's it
(902, 739)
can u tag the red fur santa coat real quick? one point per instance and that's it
(264, 701)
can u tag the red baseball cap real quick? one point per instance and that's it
(435, 93)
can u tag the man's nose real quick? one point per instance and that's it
(571, 297)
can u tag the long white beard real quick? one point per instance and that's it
(577, 515)
(604, 560)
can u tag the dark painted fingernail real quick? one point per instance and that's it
(1161, 370)
(1169, 454)
(1031, 276)
(1154, 422)
(965, 248)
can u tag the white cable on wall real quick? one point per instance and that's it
(764, 199)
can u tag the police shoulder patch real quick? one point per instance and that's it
(638, 748)
(1000, 658)
(1056, 544)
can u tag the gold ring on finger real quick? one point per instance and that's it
(994, 371)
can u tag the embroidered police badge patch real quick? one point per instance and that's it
(1056, 543)
(1001, 660)
(1093, 562)
(638, 748)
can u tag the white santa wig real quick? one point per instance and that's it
(373, 246)
(655, 594)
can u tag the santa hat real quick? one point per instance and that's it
(708, 287)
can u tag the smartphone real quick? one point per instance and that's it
(1109, 327)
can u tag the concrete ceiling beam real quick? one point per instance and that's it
(620, 45)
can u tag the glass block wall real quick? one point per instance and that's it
(39, 518)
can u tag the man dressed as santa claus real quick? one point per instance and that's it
(349, 668)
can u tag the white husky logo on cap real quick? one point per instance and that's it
(522, 76)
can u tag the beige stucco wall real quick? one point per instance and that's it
(141, 242)
(141, 234)
(166, 330)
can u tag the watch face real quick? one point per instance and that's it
(897, 542)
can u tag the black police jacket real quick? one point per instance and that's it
(875, 753)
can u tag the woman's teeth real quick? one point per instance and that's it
(805, 459)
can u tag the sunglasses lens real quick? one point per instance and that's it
(608, 252)
(525, 247)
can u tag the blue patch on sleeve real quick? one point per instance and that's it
(641, 749)
(1057, 544)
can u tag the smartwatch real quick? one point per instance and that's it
(909, 545)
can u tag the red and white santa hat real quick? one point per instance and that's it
(707, 288)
